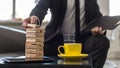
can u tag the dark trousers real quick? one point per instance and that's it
(96, 46)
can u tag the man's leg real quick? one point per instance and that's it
(97, 47)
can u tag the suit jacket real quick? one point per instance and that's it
(58, 9)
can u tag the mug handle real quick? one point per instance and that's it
(59, 47)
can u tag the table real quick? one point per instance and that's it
(56, 63)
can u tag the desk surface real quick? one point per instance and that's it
(56, 63)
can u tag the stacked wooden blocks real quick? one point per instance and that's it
(34, 42)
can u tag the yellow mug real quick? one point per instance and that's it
(71, 49)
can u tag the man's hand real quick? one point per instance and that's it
(97, 30)
(29, 20)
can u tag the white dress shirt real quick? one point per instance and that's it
(68, 26)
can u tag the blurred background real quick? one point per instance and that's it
(13, 12)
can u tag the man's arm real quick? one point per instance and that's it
(40, 9)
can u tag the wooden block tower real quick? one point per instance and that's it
(34, 42)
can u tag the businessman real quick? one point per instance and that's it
(69, 17)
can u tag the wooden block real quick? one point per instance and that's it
(30, 56)
(34, 43)
(34, 40)
(38, 48)
(34, 59)
(30, 47)
(34, 51)
(31, 36)
(31, 51)
(27, 56)
(41, 45)
(37, 38)
(35, 33)
(33, 56)
(34, 46)
(33, 25)
(40, 53)
(33, 29)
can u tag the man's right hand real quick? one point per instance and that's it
(97, 30)
(29, 20)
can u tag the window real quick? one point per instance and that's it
(114, 7)
(5, 9)
(24, 7)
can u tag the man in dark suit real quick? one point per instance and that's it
(93, 42)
